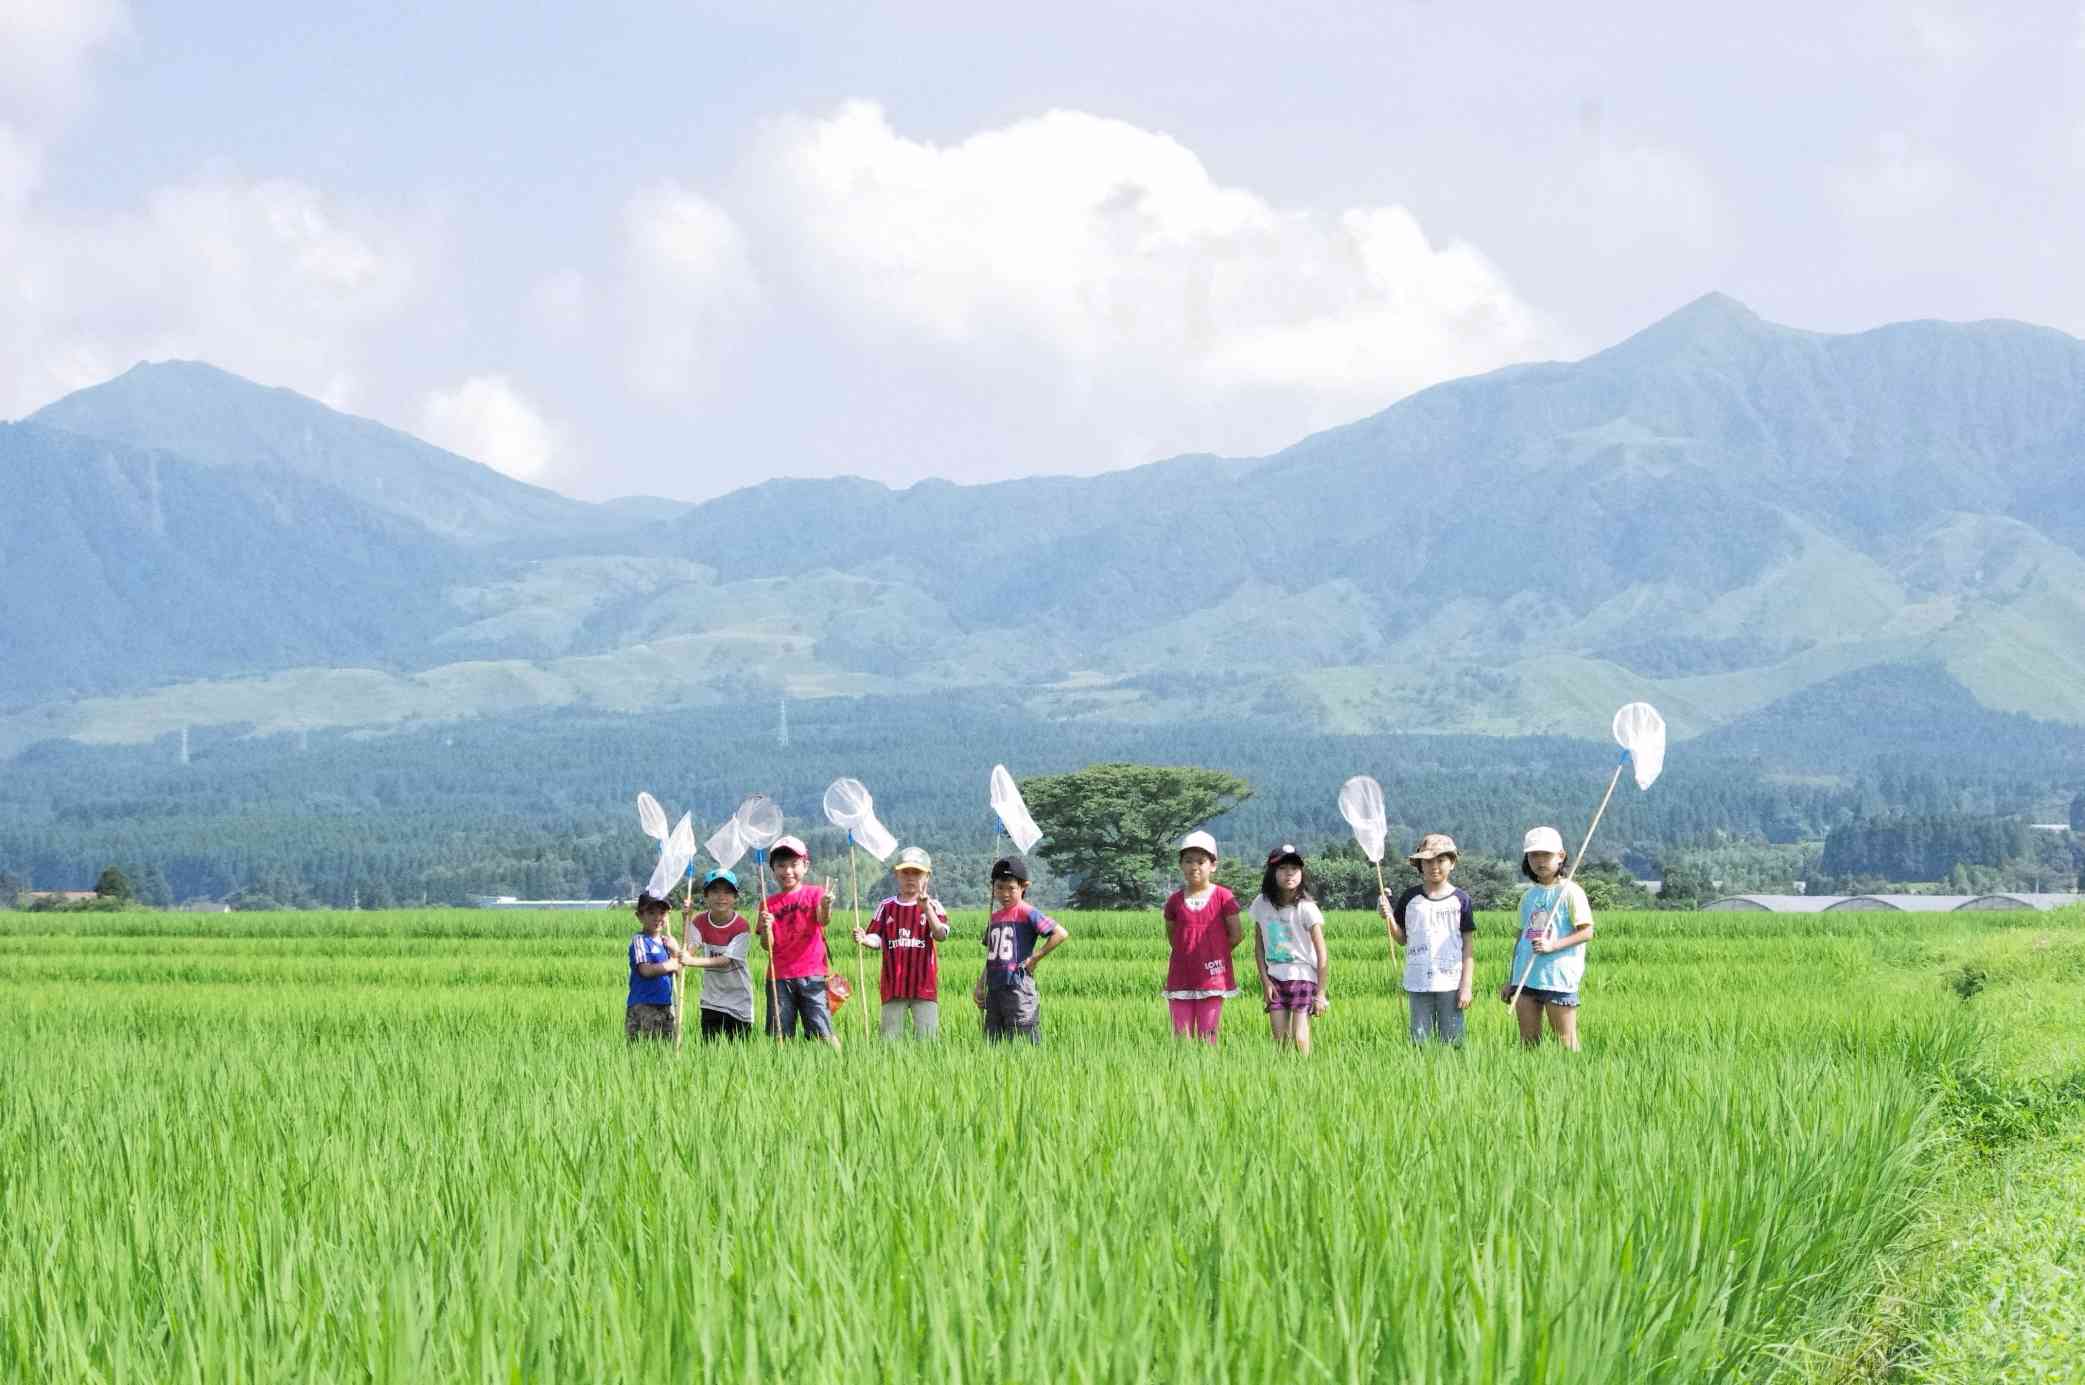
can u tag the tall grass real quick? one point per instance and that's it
(414, 1147)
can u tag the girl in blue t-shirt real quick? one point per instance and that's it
(1556, 921)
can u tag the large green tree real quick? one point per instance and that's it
(1112, 829)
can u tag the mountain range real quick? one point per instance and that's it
(1719, 514)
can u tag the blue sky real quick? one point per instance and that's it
(675, 249)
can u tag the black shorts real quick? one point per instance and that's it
(718, 1025)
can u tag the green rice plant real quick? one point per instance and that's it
(415, 1147)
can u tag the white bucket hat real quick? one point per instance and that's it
(1542, 839)
(1199, 841)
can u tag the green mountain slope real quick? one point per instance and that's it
(1719, 513)
(114, 561)
(208, 415)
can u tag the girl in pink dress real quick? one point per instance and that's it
(1203, 925)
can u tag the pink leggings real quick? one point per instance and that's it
(1197, 1017)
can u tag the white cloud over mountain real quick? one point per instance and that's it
(488, 420)
(1099, 265)
(691, 289)
(268, 277)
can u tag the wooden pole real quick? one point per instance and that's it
(861, 983)
(774, 990)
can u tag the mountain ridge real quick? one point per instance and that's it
(1718, 509)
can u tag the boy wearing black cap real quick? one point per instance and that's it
(1005, 990)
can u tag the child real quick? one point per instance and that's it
(723, 940)
(1005, 989)
(1203, 926)
(904, 930)
(1551, 960)
(1288, 946)
(1435, 923)
(792, 928)
(654, 958)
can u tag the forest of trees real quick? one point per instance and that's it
(541, 807)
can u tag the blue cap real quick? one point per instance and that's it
(721, 874)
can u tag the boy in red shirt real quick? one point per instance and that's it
(792, 930)
(905, 929)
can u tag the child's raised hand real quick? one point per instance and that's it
(861, 938)
(1383, 904)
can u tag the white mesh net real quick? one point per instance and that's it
(1013, 811)
(1361, 804)
(849, 807)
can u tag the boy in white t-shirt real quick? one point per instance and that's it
(1434, 923)
(1288, 943)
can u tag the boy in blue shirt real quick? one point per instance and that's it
(1005, 990)
(654, 958)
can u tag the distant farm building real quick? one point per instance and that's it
(2024, 901)
(507, 901)
(1900, 903)
(1888, 903)
(1774, 903)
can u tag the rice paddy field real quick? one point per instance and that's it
(414, 1146)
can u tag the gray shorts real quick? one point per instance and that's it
(800, 1000)
(1014, 1009)
(1435, 1013)
(926, 1018)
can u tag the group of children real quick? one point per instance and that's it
(1433, 921)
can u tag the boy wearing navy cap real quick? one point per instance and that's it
(654, 958)
(1005, 990)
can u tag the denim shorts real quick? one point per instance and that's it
(1567, 999)
(801, 1000)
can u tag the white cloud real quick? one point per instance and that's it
(691, 289)
(488, 420)
(44, 48)
(1899, 180)
(1102, 264)
(266, 278)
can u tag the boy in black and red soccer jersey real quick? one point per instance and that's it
(905, 930)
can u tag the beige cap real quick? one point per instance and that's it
(912, 858)
(1199, 841)
(1542, 839)
(1431, 845)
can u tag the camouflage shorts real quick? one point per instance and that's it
(648, 1022)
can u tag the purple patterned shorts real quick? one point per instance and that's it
(1293, 995)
